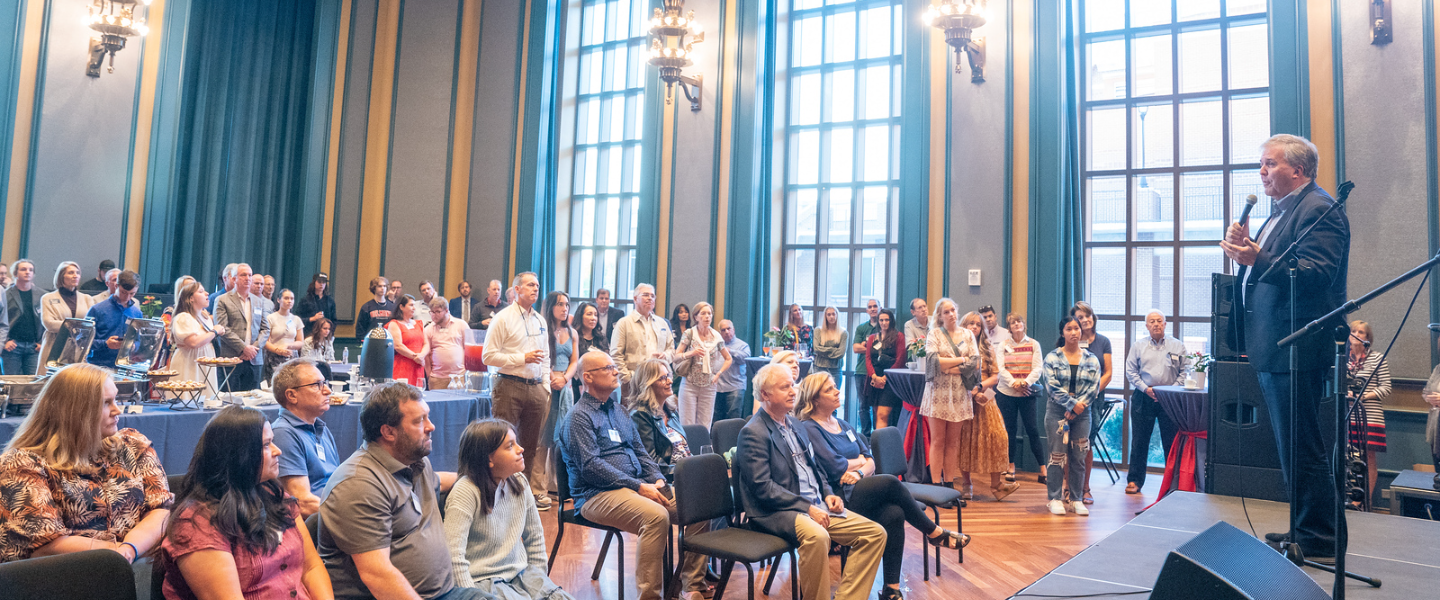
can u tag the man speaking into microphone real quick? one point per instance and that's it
(1288, 165)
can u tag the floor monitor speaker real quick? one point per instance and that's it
(1223, 563)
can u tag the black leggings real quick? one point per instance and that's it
(1024, 408)
(884, 500)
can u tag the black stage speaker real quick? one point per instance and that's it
(1224, 340)
(1222, 563)
(1241, 458)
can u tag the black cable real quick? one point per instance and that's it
(1146, 591)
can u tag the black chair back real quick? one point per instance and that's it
(562, 477)
(725, 434)
(702, 489)
(889, 449)
(174, 482)
(312, 523)
(92, 574)
(696, 436)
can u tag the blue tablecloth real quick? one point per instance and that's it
(909, 386)
(175, 433)
(1190, 410)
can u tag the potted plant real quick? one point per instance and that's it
(1197, 365)
(916, 351)
(151, 306)
(778, 338)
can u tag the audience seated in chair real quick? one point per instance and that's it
(381, 534)
(234, 531)
(307, 446)
(785, 493)
(70, 481)
(491, 523)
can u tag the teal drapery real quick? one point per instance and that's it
(1057, 269)
(535, 241)
(236, 189)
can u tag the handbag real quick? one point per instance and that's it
(685, 366)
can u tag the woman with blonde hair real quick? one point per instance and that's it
(1368, 368)
(193, 330)
(703, 352)
(71, 480)
(66, 302)
(984, 445)
(789, 358)
(831, 341)
(946, 403)
(652, 407)
(802, 336)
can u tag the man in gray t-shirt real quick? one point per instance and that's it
(381, 534)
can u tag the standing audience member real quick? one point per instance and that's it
(831, 342)
(1072, 382)
(97, 283)
(258, 296)
(730, 383)
(492, 528)
(235, 532)
(1152, 361)
(1022, 363)
(193, 331)
(71, 480)
(588, 334)
(918, 327)
(263, 307)
(320, 345)
(422, 308)
(884, 349)
(395, 291)
(485, 309)
(1099, 345)
(993, 330)
(609, 315)
(640, 336)
(66, 302)
(307, 446)
(375, 312)
(518, 345)
(785, 493)
(112, 317)
(287, 334)
(802, 335)
(411, 347)
(461, 305)
(845, 460)
(112, 278)
(1368, 423)
(983, 444)
(318, 304)
(381, 534)
(269, 289)
(614, 482)
(681, 320)
(446, 338)
(657, 421)
(861, 381)
(227, 283)
(562, 368)
(5, 279)
(235, 312)
(946, 403)
(22, 311)
(702, 348)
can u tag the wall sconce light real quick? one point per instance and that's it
(670, 50)
(114, 21)
(959, 19)
(1380, 23)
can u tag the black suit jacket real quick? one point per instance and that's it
(769, 486)
(1324, 260)
(455, 306)
(615, 315)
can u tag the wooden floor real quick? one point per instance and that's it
(1016, 542)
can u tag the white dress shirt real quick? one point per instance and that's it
(513, 333)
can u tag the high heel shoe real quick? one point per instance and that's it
(967, 491)
(949, 539)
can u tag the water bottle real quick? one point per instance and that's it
(346, 355)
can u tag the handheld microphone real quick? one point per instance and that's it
(1249, 204)
(1434, 327)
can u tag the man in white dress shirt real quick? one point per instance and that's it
(640, 336)
(993, 330)
(518, 347)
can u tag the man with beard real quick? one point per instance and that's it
(381, 534)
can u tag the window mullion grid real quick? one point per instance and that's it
(1178, 143)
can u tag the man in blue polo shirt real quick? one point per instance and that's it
(111, 317)
(307, 447)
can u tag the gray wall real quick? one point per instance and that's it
(977, 175)
(693, 187)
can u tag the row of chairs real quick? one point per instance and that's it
(705, 492)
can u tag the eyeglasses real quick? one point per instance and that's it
(317, 385)
(611, 368)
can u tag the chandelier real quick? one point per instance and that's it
(959, 19)
(670, 50)
(114, 21)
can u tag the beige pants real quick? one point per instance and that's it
(627, 510)
(525, 407)
(866, 540)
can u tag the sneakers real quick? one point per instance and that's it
(1056, 507)
(542, 502)
(1080, 509)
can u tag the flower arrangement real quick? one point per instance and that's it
(151, 306)
(916, 348)
(1199, 362)
(779, 337)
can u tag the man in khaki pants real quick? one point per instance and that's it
(785, 493)
(518, 347)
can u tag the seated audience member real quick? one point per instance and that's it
(652, 408)
(846, 463)
(786, 358)
(71, 481)
(785, 493)
(381, 534)
(112, 316)
(321, 344)
(308, 455)
(446, 337)
(491, 524)
(235, 532)
(615, 482)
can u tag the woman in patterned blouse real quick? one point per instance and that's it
(69, 481)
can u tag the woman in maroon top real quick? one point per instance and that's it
(884, 349)
(234, 531)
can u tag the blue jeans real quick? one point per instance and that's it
(1314, 484)
(1061, 452)
(23, 360)
(460, 593)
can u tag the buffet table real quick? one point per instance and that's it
(176, 433)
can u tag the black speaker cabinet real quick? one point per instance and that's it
(1223, 563)
(1224, 338)
(1241, 457)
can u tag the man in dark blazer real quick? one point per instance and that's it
(785, 493)
(460, 306)
(607, 314)
(1287, 169)
(244, 323)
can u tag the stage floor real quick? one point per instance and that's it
(1400, 551)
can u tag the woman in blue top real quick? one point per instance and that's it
(1072, 381)
(844, 457)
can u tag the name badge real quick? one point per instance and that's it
(415, 501)
(320, 451)
(614, 436)
(1085, 345)
(851, 435)
(674, 436)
